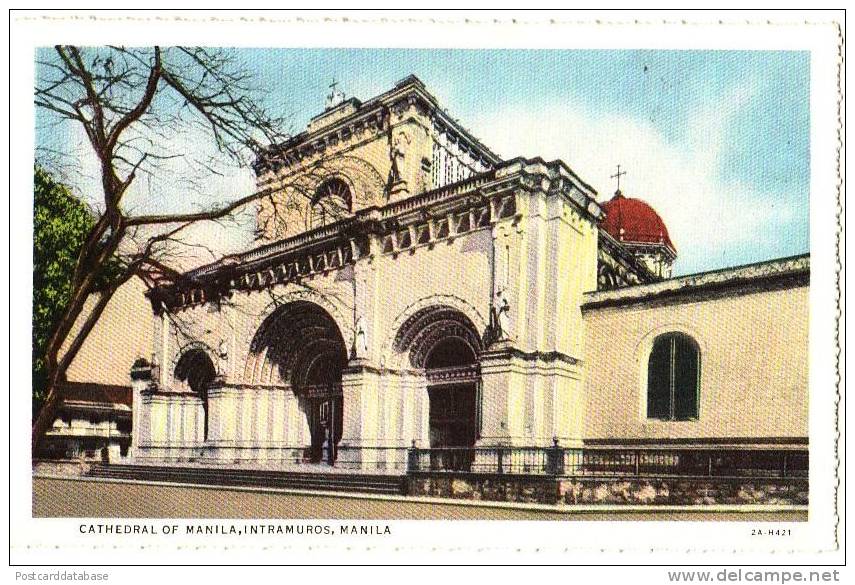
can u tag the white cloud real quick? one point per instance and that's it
(708, 218)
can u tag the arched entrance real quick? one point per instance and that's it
(196, 369)
(453, 389)
(300, 344)
(445, 344)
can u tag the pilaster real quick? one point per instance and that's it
(141, 382)
(361, 404)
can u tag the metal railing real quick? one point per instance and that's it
(494, 460)
(612, 462)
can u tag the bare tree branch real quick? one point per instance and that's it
(212, 214)
(131, 103)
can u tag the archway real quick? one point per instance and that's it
(301, 342)
(444, 343)
(331, 202)
(196, 369)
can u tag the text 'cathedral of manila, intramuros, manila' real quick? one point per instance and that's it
(419, 306)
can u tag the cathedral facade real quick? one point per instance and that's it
(416, 300)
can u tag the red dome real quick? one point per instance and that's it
(634, 221)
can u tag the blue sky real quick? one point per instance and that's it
(716, 141)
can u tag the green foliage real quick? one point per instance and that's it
(61, 223)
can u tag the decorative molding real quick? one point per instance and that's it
(479, 202)
(777, 274)
(371, 116)
(424, 313)
(508, 352)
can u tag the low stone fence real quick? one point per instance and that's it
(611, 490)
(612, 475)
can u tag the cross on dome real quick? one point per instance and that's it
(617, 176)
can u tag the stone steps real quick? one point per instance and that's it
(334, 482)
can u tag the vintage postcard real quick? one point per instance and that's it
(427, 288)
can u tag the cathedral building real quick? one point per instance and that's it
(417, 303)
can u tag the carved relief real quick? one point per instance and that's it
(421, 332)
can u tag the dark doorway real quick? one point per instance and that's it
(305, 345)
(453, 377)
(322, 388)
(452, 416)
(196, 368)
(325, 425)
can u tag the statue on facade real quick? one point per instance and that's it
(360, 339)
(500, 315)
(222, 357)
(397, 152)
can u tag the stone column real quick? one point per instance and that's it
(497, 389)
(141, 382)
(568, 405)
(415, 410)
(218, 421)
(360, 398)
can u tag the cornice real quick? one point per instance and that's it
(486, 199)
(762, 276)
(372, 116)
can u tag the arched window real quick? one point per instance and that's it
(673, 375)
(332, 202)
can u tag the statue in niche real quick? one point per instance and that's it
(500, 314)
(223, 357)
(360, 339)
(397, 152)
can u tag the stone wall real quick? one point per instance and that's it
(610, 491)
(489, 487)
(122, 334)
(753, 366)
(683, 491)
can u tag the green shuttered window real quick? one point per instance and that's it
(673, 374)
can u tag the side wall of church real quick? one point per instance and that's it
(121, 335)
(754, 366)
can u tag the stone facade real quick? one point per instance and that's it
(391, 286)
(413, 290)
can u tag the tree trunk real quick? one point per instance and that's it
(46, 415)
(56, 366)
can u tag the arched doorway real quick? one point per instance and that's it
(444, 343)
(452, 390)
(196, 369)
(301, 345)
